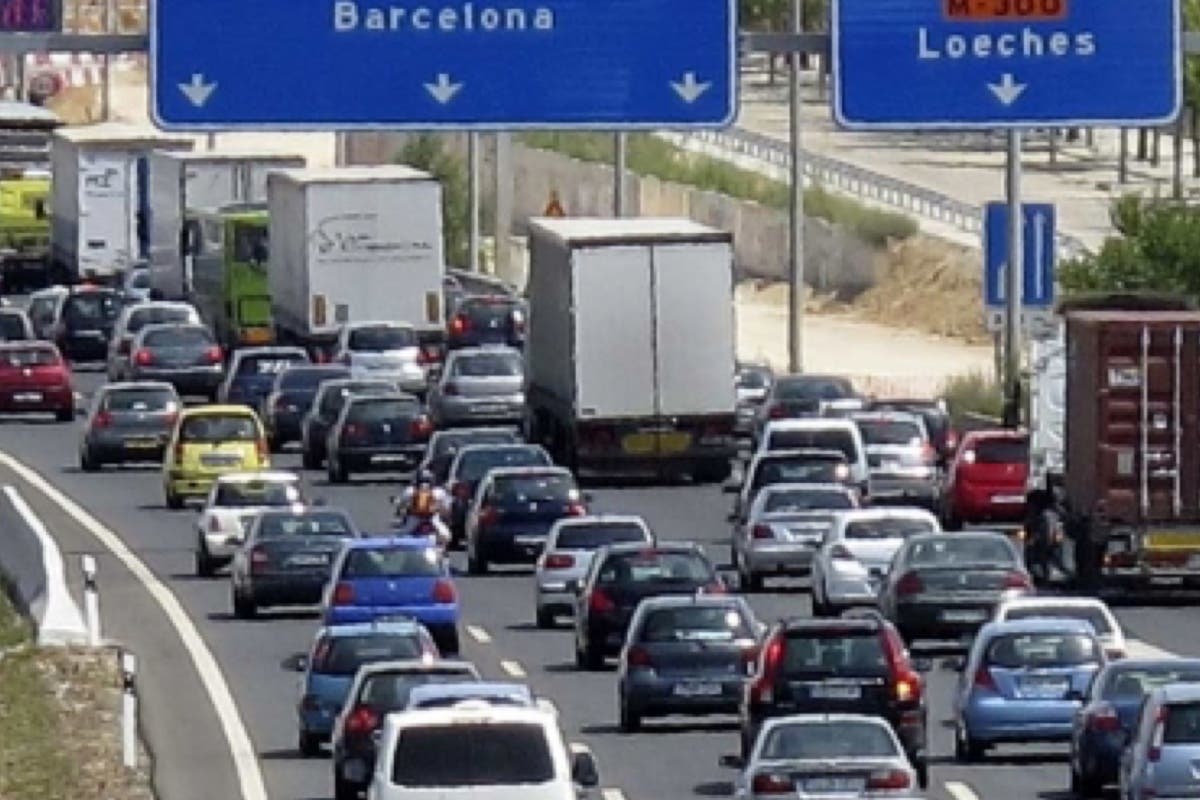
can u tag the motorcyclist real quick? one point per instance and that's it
(422, 509)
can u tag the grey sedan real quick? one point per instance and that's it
(479, 385)
(128, 422)
(184, 355)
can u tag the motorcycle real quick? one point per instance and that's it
(422, 525)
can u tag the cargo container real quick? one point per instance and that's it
(1132, 482)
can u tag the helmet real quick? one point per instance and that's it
(424, 476)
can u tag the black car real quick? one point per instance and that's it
(85, 321)
(514, 510)
(853, 665)
(796, 396)
(291, 396)
(621, 576)
(377, 433)
(487, 319)
(324, 411)
(128, 423)
(472, 462)
(445, 445)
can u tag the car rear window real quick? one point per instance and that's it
(593, 537)
(393, 562)
(1094, 616)
(838, 652)
(891, 432)
(840, 440)
(383, 410)
(800, 470)
(1002, 451)
(381, 338)
(488, 310)
(655, 566)
(343, 655)
(1033, 650)
(696, 624)
(946, 551)
(474, 465)
(811, 389)
(388, 691)
(139, 279)
(753, 379)
(219, 428)
(830, 740)
(1183, 724)
(313, 524)
(30, 357)
(309, 377)
(156, 315)
(257, 493)
(92, 308)
(269, 364)
(178, 337)
(798, 500)
(493, 754)
(141, 400)
(488, 365)
(515, 490)
(333, 400)
(887, 528)
(13, 326)
(1131, 682)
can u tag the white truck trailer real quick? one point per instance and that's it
(630, 353)
(199, 181)
(99, 198)
(353, 244)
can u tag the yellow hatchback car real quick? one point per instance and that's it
(209, 441)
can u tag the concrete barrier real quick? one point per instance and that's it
(33, 570)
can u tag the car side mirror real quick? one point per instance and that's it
(302, 663)
(583, 769)
(732, 761)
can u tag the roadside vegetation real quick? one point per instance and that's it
(427, 152)
(973, 393)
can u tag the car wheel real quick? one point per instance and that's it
(593, 658)
(309, 745)
(1086, 785)
(630, 719)
(309, 459)
(337, 473)
(712, 471)
(88, 462)
(447, 642)
(244, 607)
(966, 749)
(205, 568)
(64, 414)
(922, 769)
(174, 501)
(545, 618)
(343, 789)
(750, 581)
(274, 445)
(951, 521)
(476, 564)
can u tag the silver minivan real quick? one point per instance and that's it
(1164, 746)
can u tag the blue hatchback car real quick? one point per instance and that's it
(381, 577)
(1110, 713)
(333, 661)
(1023, 682)
(252, 372)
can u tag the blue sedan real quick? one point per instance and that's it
(1023, 682)
(1110, 711)
(382, 577)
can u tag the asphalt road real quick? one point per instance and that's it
(673, 759)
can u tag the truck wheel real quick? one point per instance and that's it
(714, 471)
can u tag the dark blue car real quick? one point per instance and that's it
(252, 372)
(1110, 711)
(385, 577)
(291, 395)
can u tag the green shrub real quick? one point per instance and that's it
(973, 393)
(426, 152)
(648, 155)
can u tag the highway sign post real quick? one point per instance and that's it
(1039, 257)
(455, 64)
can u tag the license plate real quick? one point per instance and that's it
(28, 397)
(1008, 498)
(141, 444)
(219, 460)
(832, 784)
(309, 560)
(836, 692)
(1044, 689)
(1194, 562)
(890, 465)
(963, 616)
(488, 408)
(530, 541)
(389, 459)
(697, 689)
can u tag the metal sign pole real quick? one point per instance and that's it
(796, 223)
(473, 201)
(1014, 284)
(619, 176)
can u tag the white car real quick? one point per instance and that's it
(1089, 609)
(821, 433)
(857, 553)
(570, 545)
(232, 504)
(385, 350)
(501, 753)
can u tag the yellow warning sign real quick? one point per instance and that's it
(554, 207)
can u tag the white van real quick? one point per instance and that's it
(821, 433)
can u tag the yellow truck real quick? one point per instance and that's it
(24, 230)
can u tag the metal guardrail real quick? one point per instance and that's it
(851, 179)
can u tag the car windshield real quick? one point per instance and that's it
(696, 624)
(947, 551)
(343, 655)
(269, 363)
(891, 432)
(474, 465)
(655, 566)
(491, 754)
(92, 308)
(1182, 725)
(1033, 650)
(487, 365)
(139, 279)
(811, 389)
(518, 490)
(804, 500)
(828, 740)
(801, 469)
(887, 528)
(1128, 683)
(156, 315)
(753, 379)
(1090, 614)
(382, 410)
(141, 400)
(836, 652)
(1002, 451)
(13, 326)
(388, 691)
(30, 357)
(841, 441)
(191, 336)
(219, 428)
(381, 338)
(241, 494)
(594, 536)
(393, 562)
(308, 378)
(315, 523)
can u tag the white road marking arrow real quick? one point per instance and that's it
(1039, 255)
(197, 91)
(1007, 90)
(689, 89)
(443, 91)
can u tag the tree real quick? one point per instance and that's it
(1191, 84)
(426, 152)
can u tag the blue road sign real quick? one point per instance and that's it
(498, 64)
(914, 64)
(1037, 261)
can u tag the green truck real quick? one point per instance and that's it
(226, 250)
(24, 230)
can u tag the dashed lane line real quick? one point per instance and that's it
(960, 791)
(612, 794)
(479, 634)
(513, 668)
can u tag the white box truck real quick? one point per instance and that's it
(630, 351)
(353, 244)
(199, 181)
(99, 199)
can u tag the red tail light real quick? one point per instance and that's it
(352, 431)
(639, 657)
(777, 411)
(600, 603)
(576, 509)
(488, 515)
(443, 592)
(762, 690)
(262, 448)
(762, 532)
(1104, 719)
(715, 587)
(518, 323)
(559, 561)
(772, 783)
(461, 490)
(450, 388)
(214, 525)
(601, 437)
(258, 560)
(123, 347)
(102, 420)
(1017, 580)
(1154, 752)
(172, 417)
(143, 358)
(984, 679)
(928, 454)
(910, 583)
(423, 357)
(459, 325)
(214, 355)
(310, 703)
(178, 452)
(362, 720)
(907, 685)
(889, 780)
(420, 428)
(951, 440)
(343, 594)
(907, 688)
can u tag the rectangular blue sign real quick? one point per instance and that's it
(1039, 255)
(928, 64)
(492, 64)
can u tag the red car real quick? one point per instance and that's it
(35, 379)
(986, 480)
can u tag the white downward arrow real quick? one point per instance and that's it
(1007, 90)
(443, 91)
(1039, 256)
(197, 91)
(689, 88)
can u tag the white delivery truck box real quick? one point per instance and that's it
(1047, 410)
(183, 181)
(99, 198)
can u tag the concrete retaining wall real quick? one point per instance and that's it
(835, 260)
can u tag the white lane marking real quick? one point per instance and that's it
(1136, 648)
(612, 794)
(513, 668)
(960, 791)
(479, 634)
(60, 621)
(250, 778)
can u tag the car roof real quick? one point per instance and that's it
(390, 542)
(1039, 600)
(1179, 692)
(269, 350)
(52, 292)
(780, 488)
(809, 423)
(817, 719)
(660, 547)
(875, 513)
(600, 519)
(984, 435)
(470, 689)
(657, 602)
(464, 433)
(887, 416)
(358, 399)
(381, 627)
(471, 714)
(1152, 663)
(864, 622)
(479, 447)
(218, 409)
(415, 665)
(258, 475)
(799, 452)
(377, 323)
(517, 472)
(468, 352)
(163, 304)
(341, 383)
(110, 388)
(162, 326)
(1035, 625)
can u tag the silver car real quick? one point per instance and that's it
(1164, 746)
(854, 558)
(901, 457)
(825, 756)
(183, 355)
(570, 545)
(383, 350)
(479, 385)
(132, 320)
(783, 529)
